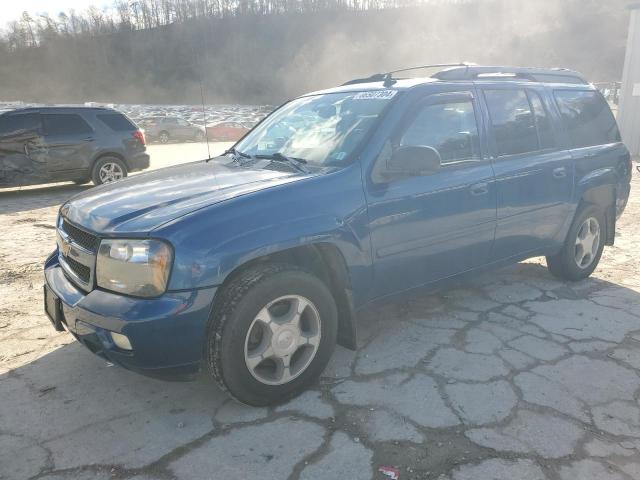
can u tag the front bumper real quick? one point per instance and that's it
(167, 333)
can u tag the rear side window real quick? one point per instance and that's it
(64, 124)
(116, 122)
(449, 127)
(19, 123)
(513, 122)
(587, 117)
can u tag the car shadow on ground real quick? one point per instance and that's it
(25, 199)
(71, 410)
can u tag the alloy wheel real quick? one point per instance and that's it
(587, 242)
(110, 172)
(282, 340)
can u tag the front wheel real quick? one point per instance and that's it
(272, 333)
(583, 246)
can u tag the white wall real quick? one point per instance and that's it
(629, 114)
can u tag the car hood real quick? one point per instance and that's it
(143, 202)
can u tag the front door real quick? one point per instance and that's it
(184, 129)
(22, 157)
(424, 228)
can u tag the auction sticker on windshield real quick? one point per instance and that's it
(375, 95)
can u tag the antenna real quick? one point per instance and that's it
(204, 117)
(204, 114)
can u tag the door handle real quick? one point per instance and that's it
(559, 172)
(479, 189)
(88, 139)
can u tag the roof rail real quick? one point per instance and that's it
(388, 79)
(471, 71)
(550, 75)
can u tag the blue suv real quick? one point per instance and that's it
(252, 265)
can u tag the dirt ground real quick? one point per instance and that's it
(513, 375)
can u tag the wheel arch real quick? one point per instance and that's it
(100, 155)
(604, 197)
(325, 261)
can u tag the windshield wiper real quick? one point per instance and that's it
(237, 155)
(297, 163)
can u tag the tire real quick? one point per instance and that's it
(234, 322)
(565, 264)
(199, 137)
(164, 137)
(100, 175)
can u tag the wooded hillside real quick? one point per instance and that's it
(264, 51)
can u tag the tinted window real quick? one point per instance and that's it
(64, 124)
(19, 123)
(587, 117)
(543, 123)
(116, 122)
(450, 128)
(513, 123)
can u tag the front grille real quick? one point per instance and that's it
(86, 240)
(82, 271)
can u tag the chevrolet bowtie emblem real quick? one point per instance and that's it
(66, 247)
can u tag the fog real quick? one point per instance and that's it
(257, 51)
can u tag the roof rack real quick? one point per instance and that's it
(471, 71)
(475, 72)
(388, 79)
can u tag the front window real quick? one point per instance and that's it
(320, 129)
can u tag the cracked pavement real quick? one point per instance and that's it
(509, 375)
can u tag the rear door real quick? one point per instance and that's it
(534, 173)
(69, 141)
(22, 156)
(424, 228)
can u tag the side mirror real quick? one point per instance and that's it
(413, 161)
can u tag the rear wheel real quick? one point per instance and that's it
(107, 170)
(199, 136)
(272, 333)
(163, 137)
(583, 246)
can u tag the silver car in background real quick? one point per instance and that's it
(167, 129)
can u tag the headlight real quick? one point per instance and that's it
(134, 267)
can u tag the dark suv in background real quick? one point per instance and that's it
(54, 144)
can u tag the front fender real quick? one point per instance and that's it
(211, 243)
(219, 262)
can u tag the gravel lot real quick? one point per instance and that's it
(510, 376)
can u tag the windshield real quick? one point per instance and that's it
(319, 129)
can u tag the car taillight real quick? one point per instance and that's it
(139, 134)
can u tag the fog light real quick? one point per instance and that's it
(121, 341)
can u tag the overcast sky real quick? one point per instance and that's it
(12, 10)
